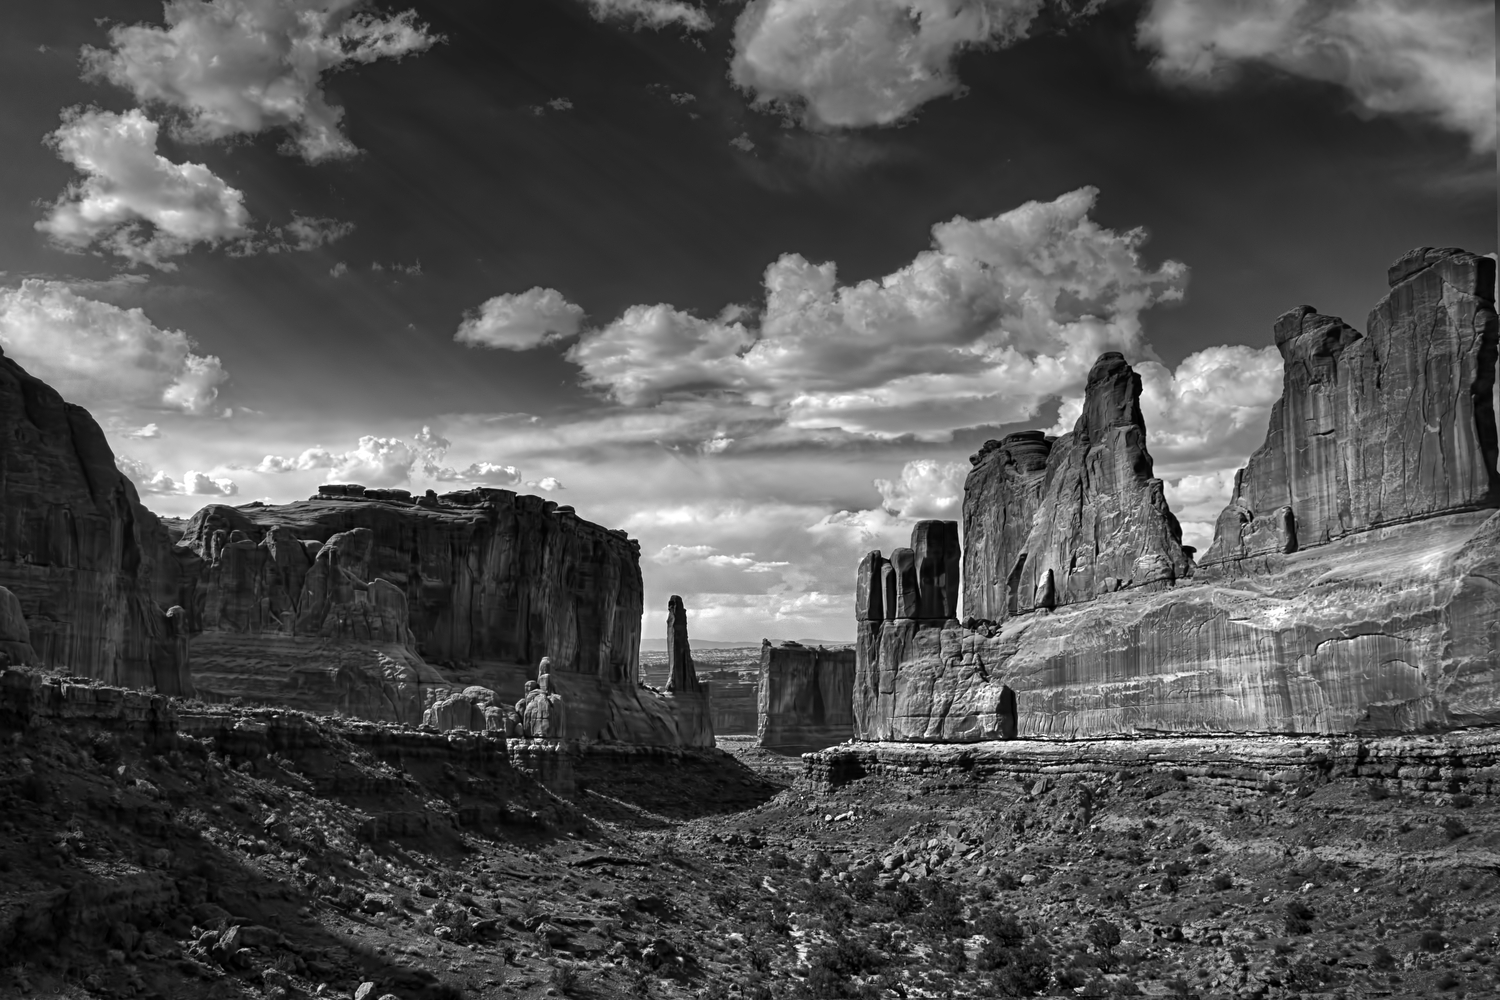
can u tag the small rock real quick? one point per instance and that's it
(363, 991)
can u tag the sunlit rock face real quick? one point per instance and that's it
(353, 600)
(1393, 425)
(805, 696)
(1354, 584)
(89, 566)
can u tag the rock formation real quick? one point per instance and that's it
(475, 708)
(688, 696)
(1353, 585)
(15, 637)
(1374, 429)
(806, 696)
(92, 569)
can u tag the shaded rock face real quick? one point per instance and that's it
(688, 697)
(1354, 585)
(15, 637)
(806, 697)
(92, 569)
(1005, 485)
(475, 708)
(1374, 429)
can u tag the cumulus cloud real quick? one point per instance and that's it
(98, 354)
(745, 562)
(547, 484)
(852, 63)
(237, 67)
(313, 458)
(133, 202)
(146, 431)
(311, 232)
(374, 461)
(1001, 314)
(157, 483)
(522, 321)
(925, 488)
(654, 14)
(1433, 58)
(1197, 500)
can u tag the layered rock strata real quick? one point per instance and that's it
(1353, 586)
(805, 698)
(92, 569)
(1432, 766)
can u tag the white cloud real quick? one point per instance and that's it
(98, 354)
(147, 431)
(311, 232)
(312, 458)
(133, 202)
(338, 270)
(159, 483)
(1434, 58)
(202, 484)
(1001, 314)
(238, 67)
(1197, 500)
(375, 461)
(521, 322)
(547, 484)
(654, 14)
(925, 488)
(851, 63)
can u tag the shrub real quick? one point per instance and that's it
(1430, 940)
(1223, 881)
(1453, 828)
(1381, 958)
(564, 976)
(1199, 847)
(1104, 936)
(1447, 980)
(1006, 881)
(1462, 801)
(1298, 917)
(1024, 973)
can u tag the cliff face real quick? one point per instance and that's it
(1006, 484)
(88, 564)
(688, 696)
(1354, 584)
(347, 601)
(806, 697)
(1374, 429)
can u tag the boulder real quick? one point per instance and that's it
(91, 568)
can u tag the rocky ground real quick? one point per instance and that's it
(210, 869)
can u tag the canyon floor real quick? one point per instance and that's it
(200, 871)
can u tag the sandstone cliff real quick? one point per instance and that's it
(1354, 584)
(348, 601)
(805, 697)
(90, 567)
(1374, 429)
(688, 696)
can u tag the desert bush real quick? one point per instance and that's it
(726, 901)
(564, 977)
(1381, 958)
(1462, 801)
(1431, 940)
(1453, 827)
(1006, 881)
(1105, 936)
(1447, 980)
(1298, 917)
(944, 910)
(1223, 882)
(1024, 972)
(777, 859)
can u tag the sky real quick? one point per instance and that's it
(748, 280)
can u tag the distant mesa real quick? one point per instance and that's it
(1349, 588)
(804, 697)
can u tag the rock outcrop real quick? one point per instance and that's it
(352, 600)
(1374, 429)
(806, 697)
(15, 637)
(92, 569)
(1353, 586)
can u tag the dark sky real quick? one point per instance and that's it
(1274, 191)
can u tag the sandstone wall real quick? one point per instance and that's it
(1393, 425)
(806, 697)
(1354, 585)
(349, 601)
(89, 565)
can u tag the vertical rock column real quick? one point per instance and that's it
(688, 696)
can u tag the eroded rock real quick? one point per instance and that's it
(90, 567)
(806, 696)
